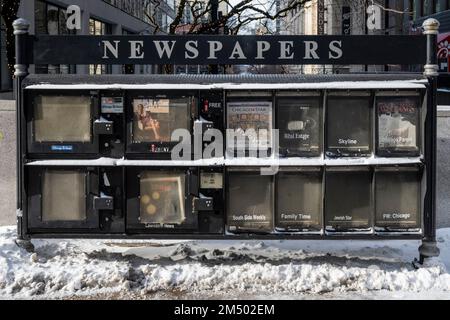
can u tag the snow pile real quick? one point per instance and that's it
(68, 268)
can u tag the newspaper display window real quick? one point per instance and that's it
(62, 119)
(348, 126)
(397, 199)
(300, 126)
(251, 122)
(162, 198)
(398, 126)
(154, 120)
(250, 202)
(63, 196)
(348, 199)
(299, 201)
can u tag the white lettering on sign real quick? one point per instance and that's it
(191, 48)
(194, 49)
(237, 50)
(214, 47)
(261, 47)
(112, 48)
(285, 49)
(335, 50)
(165, 48)
(136, 49)
(311, 50)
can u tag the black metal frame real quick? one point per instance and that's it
(27, 45)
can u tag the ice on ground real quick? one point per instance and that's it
(221, 269)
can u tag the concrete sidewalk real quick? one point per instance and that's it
(8, 162)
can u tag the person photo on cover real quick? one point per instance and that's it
(146, 121)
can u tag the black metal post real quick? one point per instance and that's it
(21, 27)
(429, 247)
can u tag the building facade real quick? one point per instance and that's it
(195, 14)
(342, 17)
(98, 17)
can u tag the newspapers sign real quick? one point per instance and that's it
(228, 50)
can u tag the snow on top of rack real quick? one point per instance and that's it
(338, 85)
(248, 161)
(101, 162)
(371, 161)
(231, 162)
(171, 163)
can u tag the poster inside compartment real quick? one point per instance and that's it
(252, 124)
(162, 199)
(299, 125)
(398, 120)
(154, 120)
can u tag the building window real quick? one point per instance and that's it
(437, 6)
(51, 20)
(99, 28)
(128, 68)
(140, 9)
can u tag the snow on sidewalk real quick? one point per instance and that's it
(221, 269)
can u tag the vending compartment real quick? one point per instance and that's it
(348, 199)
(399, 123)
(70, 123)
(348, 124)
(74, 199)
(398, 199)
(153, 116)
(299, 121)
(299, 200)
(250, 116)
(168, 200)
(249, 201)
